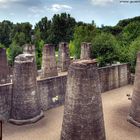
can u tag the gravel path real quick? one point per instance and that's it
(115, 104)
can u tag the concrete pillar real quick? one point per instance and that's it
(134, 114)
(4, 69)
(25, 98)
(85, 50)
(29, 49)
(49, 67)
(83, 114)
(63, 56)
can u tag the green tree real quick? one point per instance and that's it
(6, 28)
(12, 52)
(39, 46)
(105, 49)
(42, 29)
(21, 33)
(62, 28)
(2, 46)
(84, 33)
(129, 33)
(133, 50)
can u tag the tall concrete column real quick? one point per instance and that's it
(134, 114)
(85, 51)
(63, 56)
(49, 67)
(29, 49)
(83, 114)
(4, 69)
(25, 98)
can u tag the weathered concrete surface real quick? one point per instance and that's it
(85, 50)
(63, 56)
(49, 128)
(25, 98)
(49, 67)
(4, 69)
(115, 76)
(134, 114)
(83, 115)
(52, 91)
(5, 101)
(29, 49)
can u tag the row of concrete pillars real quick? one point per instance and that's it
(50, 67)
(83, 113)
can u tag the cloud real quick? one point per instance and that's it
(59, 7)
(101, 2)
(35, 9)
(10, 3)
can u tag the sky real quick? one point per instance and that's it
(103, 12)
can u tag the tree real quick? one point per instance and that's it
(5, 32)
(133, 50)
(105, 49)
(12, 52)
(42, 29)
(62, 28)
(84, 33)
(130, 33)
(21, 33)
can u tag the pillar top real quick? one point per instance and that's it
(46, 45)
(63, 43)
(83, 43)
(29, 45)
(84, 63)
(24, 58)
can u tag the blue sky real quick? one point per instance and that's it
(107, 12)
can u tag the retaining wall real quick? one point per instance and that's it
(52, 90)
(5, 100)
(115, 76)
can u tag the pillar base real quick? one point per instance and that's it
(28, 121)
(132, 121)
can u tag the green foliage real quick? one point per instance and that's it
(5, 32)
(84, 33)
(12, 52)
(62, 28)
(42, 30)
(2, 46)
(130, 33)
(21, 33)
(105, 49)
(39, 47)
(110, 43)
(133, 50)
(71, 48)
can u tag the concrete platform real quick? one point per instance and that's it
(116, 107)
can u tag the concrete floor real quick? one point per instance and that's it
(115, 104)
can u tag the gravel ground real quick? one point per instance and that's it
(115, 105)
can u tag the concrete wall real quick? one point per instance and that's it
(5, 100)
(115, 76)
(52, 90)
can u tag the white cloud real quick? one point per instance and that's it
(101, 2)
(27, 3)
(59, 7)
(35, 9)
(6, 3)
